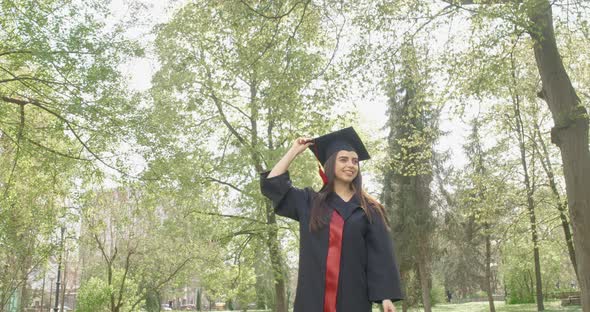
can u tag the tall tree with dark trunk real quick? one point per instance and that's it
(561, 204)
(413, 124)
(570, 134)
(570, 116)
(482, 211)
(519, 131)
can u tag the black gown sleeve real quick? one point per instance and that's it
(382, 272)
(288, 201)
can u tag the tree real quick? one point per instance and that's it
(34, 186)
(237, 82)
(59, 62)
(529, 186)
(483, 201)
(138, 243)
(545, 159)
(62, 103)
(413, 131)
(570, 132)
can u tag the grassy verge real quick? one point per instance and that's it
(550, 306)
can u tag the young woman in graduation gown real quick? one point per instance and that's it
(346, 259)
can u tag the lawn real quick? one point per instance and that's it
(550, 306)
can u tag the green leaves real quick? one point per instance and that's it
(234, 89)
(95, 294)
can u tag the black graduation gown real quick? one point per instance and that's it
(368, 272)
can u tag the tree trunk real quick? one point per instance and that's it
(64, 280)
(538, 281)
(561, 205)
(276, 260)
(43, 290)
(422, 200)
(424, 275)
(198, 303)
(405, 305)
(274, 249)
(24, 296)
(570, 134)
(520, 134)
(489, 289)
(50, 293)
(532, 215)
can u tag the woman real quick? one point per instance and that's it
(346, 259)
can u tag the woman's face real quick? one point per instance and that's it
(347, 166)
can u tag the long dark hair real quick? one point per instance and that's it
(319, 210)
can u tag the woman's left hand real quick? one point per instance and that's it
(388, 306)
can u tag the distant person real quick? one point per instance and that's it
(346, 259)
(449, 296)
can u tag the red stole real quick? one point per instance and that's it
(333, 262)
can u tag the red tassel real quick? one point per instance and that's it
(323, 175)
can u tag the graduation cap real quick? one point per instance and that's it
(346, 139)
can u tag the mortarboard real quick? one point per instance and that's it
(346, 139)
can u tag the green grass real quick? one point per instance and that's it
(550, 306)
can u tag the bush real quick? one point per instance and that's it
(437, 293)
(520, 288)
(94, 296)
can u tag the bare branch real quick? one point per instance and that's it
(49, 149)
(292, 36)
(228, 216)
(237, 259)
(471, 2)
(236, 108)
(101, 249)
(44, 81)
(43, 52)
(225, 183)
(270, 16)
(56, 152)
(267, 47)
(21, 126)
(122, 286)
(224, 119)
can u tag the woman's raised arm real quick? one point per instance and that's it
(299, 145)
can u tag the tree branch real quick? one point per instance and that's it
(21, 127)
(122, 287)
(486, 2)
(69, 125)
(292, 36)
(101, 249)
(229, 216)
(224, 119)
(225, 183)
(270, 16)
(237, 259)
(20, 78)
(49, 149)
(43, 52)
(236, 108)
(267, 47)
